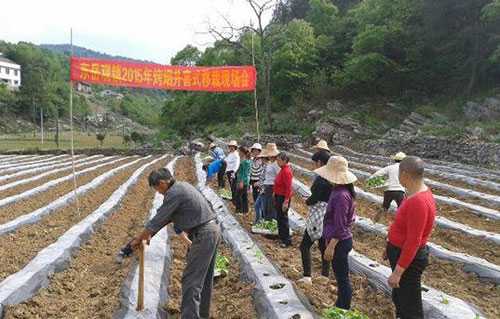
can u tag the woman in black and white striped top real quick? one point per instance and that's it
(256, 170)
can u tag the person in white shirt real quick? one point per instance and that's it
(271, 171)
(394, 191)
(232, 164)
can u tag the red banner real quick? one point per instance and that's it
(156, 76)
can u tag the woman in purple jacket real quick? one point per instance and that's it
(337, 224)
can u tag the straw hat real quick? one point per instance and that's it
(233, 143)
(322, 145)
(399, 156)
(271, 150)
(256, 146)
(212, 145)
(336, 171)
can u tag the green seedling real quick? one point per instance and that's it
(337, 313)
(270, 225)
(222, 264)
(376, 181)
(444, 300)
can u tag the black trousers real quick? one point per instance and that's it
(241, 199)
(340, 264)
(282, 217)
(408, 297)
(220, 175)
(305, 250)
(232, 183)
(390, 196)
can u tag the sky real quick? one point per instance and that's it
(151, 30)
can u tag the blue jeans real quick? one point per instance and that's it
(259, 209)
(340, 264)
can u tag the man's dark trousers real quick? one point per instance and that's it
(197, 279)
(408, 297)
(220, 175)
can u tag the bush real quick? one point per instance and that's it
(137, 137)
(100, 137)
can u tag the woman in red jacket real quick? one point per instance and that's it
(282, 196)
(407, 249)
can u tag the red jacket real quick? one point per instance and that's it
(283, 182)
(413, 225)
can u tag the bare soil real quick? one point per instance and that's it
(19, 247)
(30, 204)
(438, 191)
(449, 239)
(90, 286)
(446, 276)
(322, 294)
(232, 298)
(460, 215)
(22, 188)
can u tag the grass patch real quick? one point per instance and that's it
(25, 142)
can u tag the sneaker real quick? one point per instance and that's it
(305, 280)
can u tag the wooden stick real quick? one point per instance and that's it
(140, 292)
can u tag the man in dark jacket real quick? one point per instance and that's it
(186, 207)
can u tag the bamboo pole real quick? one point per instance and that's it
(257, 126)
(71, 128)
(140, 290)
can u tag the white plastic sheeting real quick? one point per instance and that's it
(49, 185)
(84, 161)
(36, 274)
(67, 165)
(482, 268)
(483, 197)
(35, 162)
(22, 158)
(62, 201)
(274, 296)
(157, 261)
(377, 275)
(440, 221)
(473, 208)
(459, 168)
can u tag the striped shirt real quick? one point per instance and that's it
(257, 169)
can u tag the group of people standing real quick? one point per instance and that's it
(266, 171)
(332, 213)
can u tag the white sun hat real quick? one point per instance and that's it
(233, 143)
(256, 146)
(322, 145)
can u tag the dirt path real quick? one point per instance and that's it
(30, 204)
(232, 298)
(446, 276)
(322, 294)
(90, 286)
(22, 188)
(19, 247)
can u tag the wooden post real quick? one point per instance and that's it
(140, 290)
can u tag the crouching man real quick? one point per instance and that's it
(186, 207)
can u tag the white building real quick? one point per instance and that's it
(10, 73)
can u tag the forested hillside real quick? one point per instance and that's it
(427, 54)
(45, 75)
